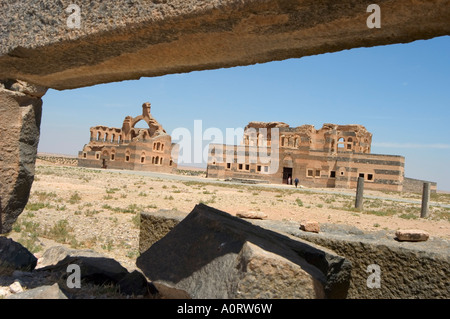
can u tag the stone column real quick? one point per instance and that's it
(425, 200)
(359, 193)
(20, 119)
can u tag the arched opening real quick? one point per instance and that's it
(341, 144)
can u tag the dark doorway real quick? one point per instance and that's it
(287, 172)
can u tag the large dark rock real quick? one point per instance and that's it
(211, 254)
(13, 256)
(136, 284)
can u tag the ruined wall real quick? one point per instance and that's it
(412, 185)
(313, 168)
(409, 270)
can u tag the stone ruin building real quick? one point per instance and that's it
(333, 156)
(129, 147)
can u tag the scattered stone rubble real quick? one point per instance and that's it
(25, 277)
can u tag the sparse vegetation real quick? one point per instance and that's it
(101, 209)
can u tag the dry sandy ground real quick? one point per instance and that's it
(99, 209)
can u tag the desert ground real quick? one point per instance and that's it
(99, 209)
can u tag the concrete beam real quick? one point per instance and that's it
(120, 40)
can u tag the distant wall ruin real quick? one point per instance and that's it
(129, 147)
(332, 156)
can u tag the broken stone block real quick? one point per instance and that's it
(13, 256)
(310, 226)
(411, 235)
(20, 129)
(43, 292)
(15, 287)
(212, 254)
(252, 215)
(156, 225)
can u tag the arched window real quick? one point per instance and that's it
(142, 158)
(157, 160)
(341, 144)
(160, 161)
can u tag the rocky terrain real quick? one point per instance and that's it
(99, 210)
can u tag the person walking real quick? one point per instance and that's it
(296, 182)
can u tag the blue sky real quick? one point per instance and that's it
(400, 93)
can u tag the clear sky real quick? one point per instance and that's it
(400, 93)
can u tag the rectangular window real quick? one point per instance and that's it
(361, 175)
(266, 169)
(228, 165)
(333, 174)
(240, 166)
(113, 156)
(310, 173)
(127, 158)
(84, 155)
(370, 177)
(247, 167)
(317, 172)
(258, 168)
